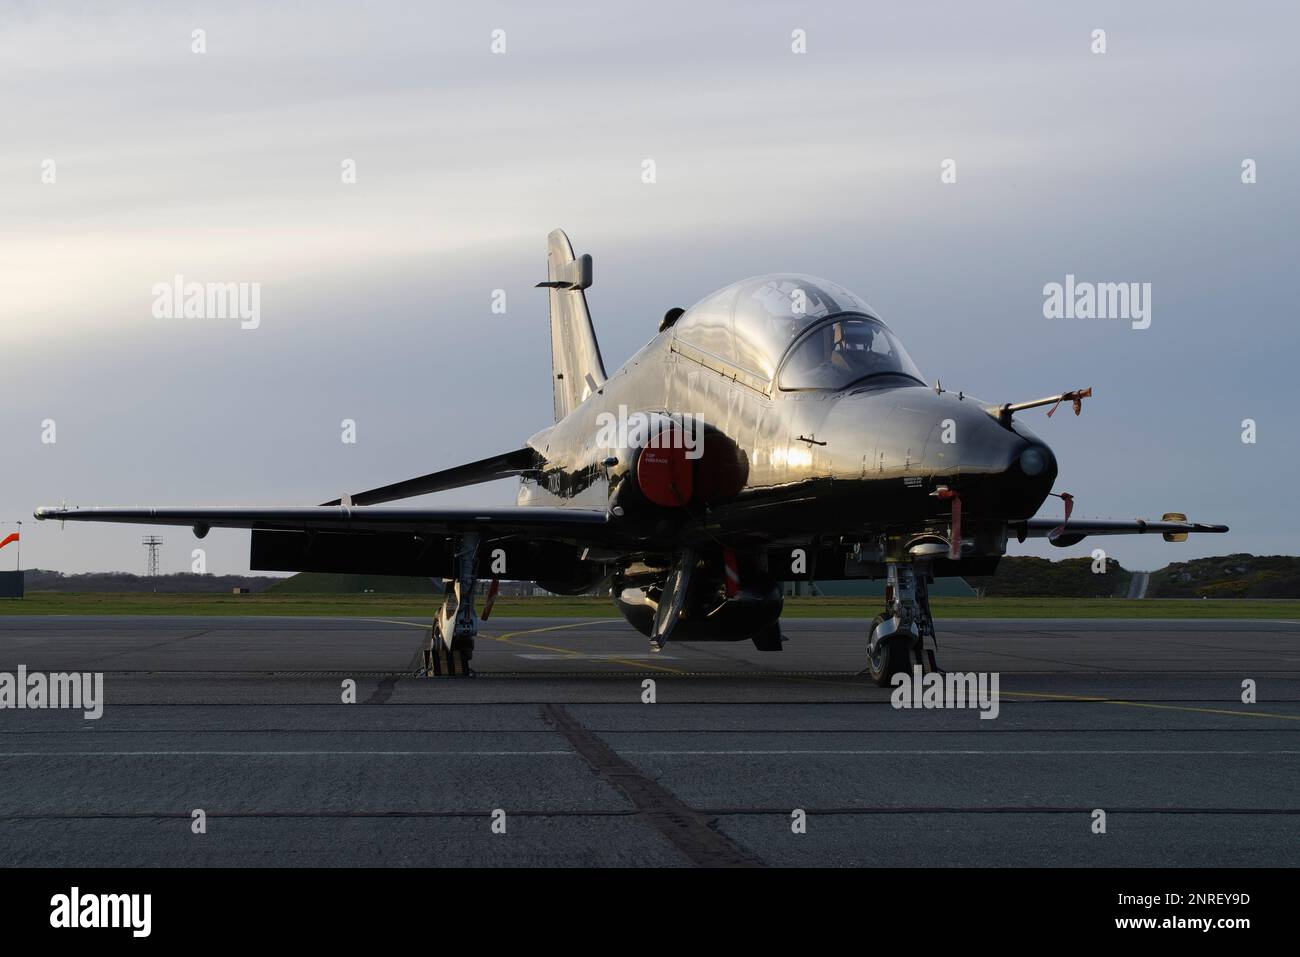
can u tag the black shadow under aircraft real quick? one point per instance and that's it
(775, 431)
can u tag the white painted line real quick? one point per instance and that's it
(660, 753)
(1051, 751)
(251, 754)
(582, 656)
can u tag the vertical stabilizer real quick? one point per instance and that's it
(576, 366)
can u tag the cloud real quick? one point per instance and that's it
(225, 166)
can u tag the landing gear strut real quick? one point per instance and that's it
(673, 600)
(451, 639)
(899, 635)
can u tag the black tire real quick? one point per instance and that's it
(893, 656)
(769, 639)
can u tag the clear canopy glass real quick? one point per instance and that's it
(843, 351)
(752, 324)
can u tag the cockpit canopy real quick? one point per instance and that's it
(832, 338)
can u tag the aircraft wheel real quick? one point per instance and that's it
(769, 639)
(892, 656)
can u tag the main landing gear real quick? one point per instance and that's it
(673, 600)
(899, 635)
(451, 639)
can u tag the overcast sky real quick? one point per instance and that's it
(225, 166)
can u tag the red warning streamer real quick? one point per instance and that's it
(491, 599)
(732, 572)
(1076, 397)
(1068, 499)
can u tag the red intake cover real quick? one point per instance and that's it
(664, 473)
(721, 471)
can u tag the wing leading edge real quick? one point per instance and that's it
(563, 523)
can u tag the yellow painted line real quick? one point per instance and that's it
(509, 639)
(510, 636)
(1089, 700)
(1068, 697)
(1153, 705)
(561, 627)
(394, 621)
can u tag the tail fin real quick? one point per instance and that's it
(576, 366)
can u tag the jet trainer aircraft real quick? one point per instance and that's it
(777, 430)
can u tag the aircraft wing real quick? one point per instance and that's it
(1077, 529)
(570, 524)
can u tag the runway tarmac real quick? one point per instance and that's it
(243, 718)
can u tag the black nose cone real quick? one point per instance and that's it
(1027, 479)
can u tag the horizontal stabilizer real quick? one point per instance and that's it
(571, 275)
(474, 473)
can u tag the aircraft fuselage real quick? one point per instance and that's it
(792, 466)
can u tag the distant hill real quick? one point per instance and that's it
(1023, 576)
(306, 583)
(866, 588)
(40, 579)
(322, 583)
(1229, 576)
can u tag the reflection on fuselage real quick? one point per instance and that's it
(831, 417)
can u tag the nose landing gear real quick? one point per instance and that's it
(899, 635)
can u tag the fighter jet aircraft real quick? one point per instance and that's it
(777, 430)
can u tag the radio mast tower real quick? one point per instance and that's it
(152, 542)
